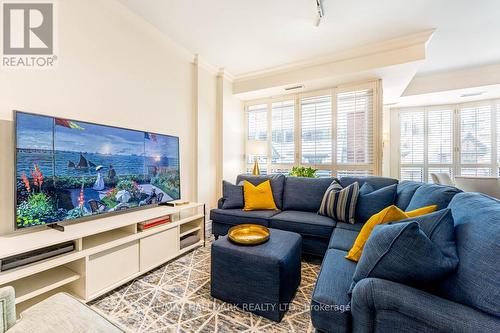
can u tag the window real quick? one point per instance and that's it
(331, 130)
(427, 144)
(355, 127)
(283, 132)
(498, 137)
(316, 130)
(475, 141)
(256, 129)
(257, 122)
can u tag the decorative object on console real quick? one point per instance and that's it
(256, 148)
(389, 214)
(258, 197)
(248, 234)
(340, 203)
(153, 223)
(416, 252)
(175, 203)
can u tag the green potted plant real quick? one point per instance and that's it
(300, 171)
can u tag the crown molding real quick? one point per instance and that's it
(223, 73)
(420, 38)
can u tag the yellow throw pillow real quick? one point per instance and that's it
(258, 197)
(422, 211)
(388, 214)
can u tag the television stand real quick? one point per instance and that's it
(56, 226)
(108, 252)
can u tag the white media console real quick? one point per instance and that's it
(109, 252)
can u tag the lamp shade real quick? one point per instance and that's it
(257, 147)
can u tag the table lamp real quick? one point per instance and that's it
(256, 148)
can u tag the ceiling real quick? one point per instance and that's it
(245, 36)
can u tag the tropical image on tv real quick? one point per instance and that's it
(68, 169)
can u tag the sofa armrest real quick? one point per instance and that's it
(220, 202)
(7, 308)
(386, 306)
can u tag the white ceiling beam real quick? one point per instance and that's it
(454, 80)
(391, 52)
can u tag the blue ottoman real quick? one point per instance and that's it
(261, 279)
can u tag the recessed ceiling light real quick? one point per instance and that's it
(472, 94)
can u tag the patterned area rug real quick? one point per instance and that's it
(176, 298)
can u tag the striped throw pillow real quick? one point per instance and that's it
(340, 203)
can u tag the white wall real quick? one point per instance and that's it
(116, 69)
(207, 132)
(233, 134)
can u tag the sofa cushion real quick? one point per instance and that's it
(304, 194)
(439, 227)
(386, 215)
(238, 216)
(405, 191)
(375, 181)
(404, 253)
(304, 223)
(340, 203)
(277, 185)
(348, 226)
(342, 239)
(232, 195)
(330, 303)
(372, 201)
(432, 194)
(477, 233)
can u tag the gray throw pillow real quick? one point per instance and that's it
(232, 195)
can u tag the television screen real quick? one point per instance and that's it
(68, 169)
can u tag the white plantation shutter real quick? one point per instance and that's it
(257, 130)
(476, 140)
(412, 173)
(257, 122)
(316, 129)
(440, 136)
(426, 143)
(354, 173)
(412, 137)
(332, 130)
(283, 128)
(463, 139)
(355, 127)
(498, 137)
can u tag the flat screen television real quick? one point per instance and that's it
(68, 170)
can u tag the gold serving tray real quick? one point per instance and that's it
(248, 234)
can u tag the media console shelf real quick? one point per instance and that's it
(109, 252)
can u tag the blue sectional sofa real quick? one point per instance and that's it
(468, 300)
(298, 200)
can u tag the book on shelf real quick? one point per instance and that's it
(153, 223)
